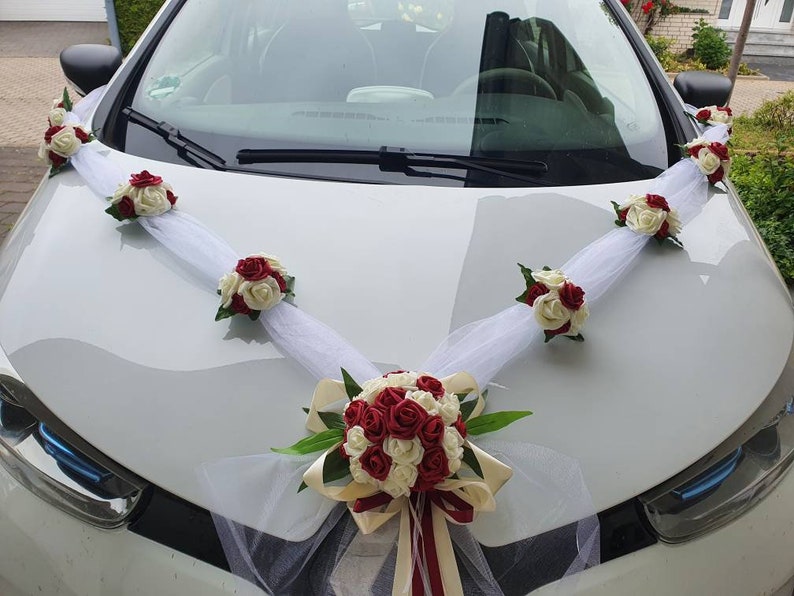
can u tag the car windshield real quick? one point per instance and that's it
(329, 87)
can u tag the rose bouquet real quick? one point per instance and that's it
(712, 115)
(61, 139)
(649, 215)
(258, 283)
(559, 304)
(400, 446)
(712, 159)
(144, 195)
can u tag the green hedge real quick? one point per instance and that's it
(133, 17)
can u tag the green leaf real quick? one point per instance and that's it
(527, 273)
(471, 460)
(489, 423)
(319, 442)
(332, 420)
(223, 313)
(335, 467)
(303, 486)
(548, 336)
(254, 314)
(523, 297)
(113, 211)
(67, 101)
(579, 338)
(351, 387)
(305, 410)
(466, 408)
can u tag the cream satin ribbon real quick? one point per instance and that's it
(477, 493)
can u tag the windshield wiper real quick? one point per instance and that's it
(391, 159)
(188, 150)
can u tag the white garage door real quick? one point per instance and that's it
(52, 10)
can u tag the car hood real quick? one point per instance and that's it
(117, 337)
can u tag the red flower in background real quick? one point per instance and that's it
(647, 7)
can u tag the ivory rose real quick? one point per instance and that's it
(403, 451)
(550, 312)
(552, 279)
(228, 286)
(261, 295)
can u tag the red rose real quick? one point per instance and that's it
(373, 421)
(394, 372)
(342, 451)
(376, 462)
(625, 2)
(703, 115)
(433, 469)
(657, 202)
(664, 231)
(354, 411)
(145, 179)
(571, 296)
(726, 109)
(56, 160)
(534, 292)
(720, 151)
(431, 432)
(239, 306)
(60, 105)
(717, 176)
(460, 426)
(126, 207)
(560, 330)
(647, 7)
(81, 135)
(51, 132)
(693, 151)
(254, 268)
(171, 197)
(282, 284)
(431, 385)
(622, 215)
(404, 419)
(389, 397)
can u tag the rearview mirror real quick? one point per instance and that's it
(699, 88)
(88, 65)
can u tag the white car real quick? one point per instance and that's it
(399, 158)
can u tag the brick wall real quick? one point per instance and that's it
(678, 26)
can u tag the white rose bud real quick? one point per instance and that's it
(122, 191)
(370, 389)
(449, 408)
(228, 286)
(674, 222)
(356, 443)
(400, 480)
(57, 116)
(43, 154)
(454, 464)
(550, 312)
(643, 219)
(406, 379)
(403, 451)
(578, 317)
(64, 142)
(261, 295)
(424, 399)
(453, 444)
(358, 473)
(150, 200)
(707, 162)
(553, 279)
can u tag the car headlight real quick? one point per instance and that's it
(735, 477)
(53, 468)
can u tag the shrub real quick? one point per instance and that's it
(660, 46)
(777, 113)
(710, 46)
(133, 17)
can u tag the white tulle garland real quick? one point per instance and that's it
(275, 534)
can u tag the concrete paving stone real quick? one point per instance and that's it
(27, 39)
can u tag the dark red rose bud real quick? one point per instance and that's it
(703, 115)
(373, 421)
(126, 207)
(56, 160)
(536, 291)
(171, 197)
(376, 462)
(81, 135)
(389, 397)
(282, 284)
(239, 306)
(342, 450)
(720, 151)
(254, 268)
(717, 176)
(571, 296)
(664, 231)
(560, 330)
(434, 467)
(431, 432)
(693, 151)
(657, 202)
(460, 426)
(623, 214)
(726, 109)
(431, 385)
(404, 419)
(144, 179)
(354, 411)
(51, 132)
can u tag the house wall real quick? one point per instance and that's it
(678, 26)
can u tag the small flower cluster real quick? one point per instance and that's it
(712, 159)
(649, 215)
(665, 7)
(712, 115)
(559, 305)
(61, 139)
(403, 433)
(144, 195)
(258, 283)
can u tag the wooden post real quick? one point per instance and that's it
(741, 39)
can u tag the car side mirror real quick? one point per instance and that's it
(88, 65)
(699, 88)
